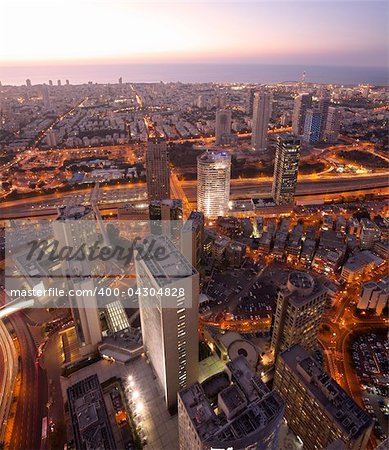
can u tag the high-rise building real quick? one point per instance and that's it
(285, 170)
(262, 110)
(58, 82)
(312, 126)
(250, 102)
(157, 169)
(168, 304)
(193, 237)
(299, 309)
(166, 217)
(324, 105)
(50, 82)
(301, 104)
(213, 183)
(46, 96)
(317, 409)
(120, 80)
(233, 409)
(332, 128)
(223, 127)
(28, 83)
(75, 227)
(370, 234)
(67, 82)
(169, 209)
(51, 138)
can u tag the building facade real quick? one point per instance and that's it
(299, 309)
(213, 183)
(262, 110)
(168, 304)
(157, 170)
(223, 127)
(285, 170)
(301, 104)
(317, 409)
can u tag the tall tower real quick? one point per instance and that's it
(213, 183)
(299, 309)
(312, 126)
(261, 116)
(193, 237)
(285, 170)
(46, 96)
(168, 305)
(75, 227)
(332, 128)
(157, 170)
(324, 105)
(301, 104)
(223, 127)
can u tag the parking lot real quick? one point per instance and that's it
(246, 293)
(369, 353)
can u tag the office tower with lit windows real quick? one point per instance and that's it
(223, 127)
(299, 309)
(317, 409)
(312, 126)
(285, 170)
(262, 110)
(232, 409)
(301, 104)
(157, 170)
(213, 183)
(192, 238)
(323, 107)
(332, 128)
(370, 234)
(76, 226)
(168, 304)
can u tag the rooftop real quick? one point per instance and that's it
(337, 403)
(91, 425)
(165, 262)
(248, 405)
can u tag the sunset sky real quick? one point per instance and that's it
(286, 32)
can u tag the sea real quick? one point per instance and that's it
(193, 73)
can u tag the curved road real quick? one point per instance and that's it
(8, 372)
(31, 407)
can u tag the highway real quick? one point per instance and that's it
(111, 196)
(31, 406)
(248, 188)
(8, 372)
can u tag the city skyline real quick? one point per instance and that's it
(194, 235)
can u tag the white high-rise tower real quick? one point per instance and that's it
(168, 304)
(261, 116)
(213, 183)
